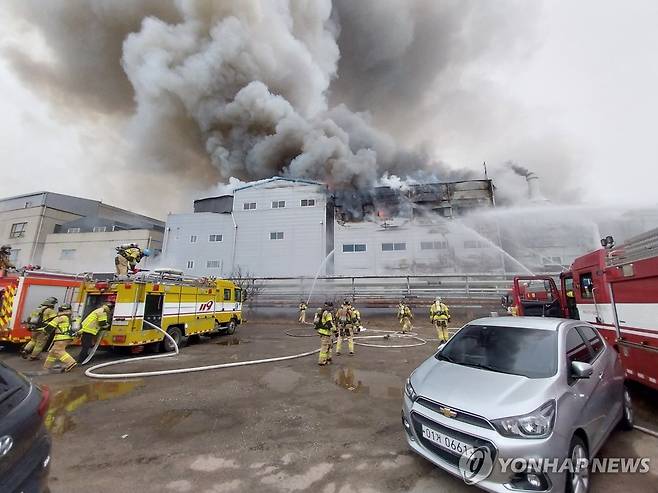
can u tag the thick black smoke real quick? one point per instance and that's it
(255, 88)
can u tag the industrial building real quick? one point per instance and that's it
(71, 234)
(284, 227)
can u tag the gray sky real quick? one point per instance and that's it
(587, 80)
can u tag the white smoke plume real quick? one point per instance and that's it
(254, 88)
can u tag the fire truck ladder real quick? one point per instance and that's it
(640, 247)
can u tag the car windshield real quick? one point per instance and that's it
(516, 350)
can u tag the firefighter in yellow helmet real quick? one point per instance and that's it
(405, 316)
(302, 312)
(96, 321)
(36, 323)
(5, 256)
(127, 258)
(325, 328)
(61, 325)
(440, 316)
(345, 325)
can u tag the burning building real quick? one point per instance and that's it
(287, 227)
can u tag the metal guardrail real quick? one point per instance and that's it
(383, 290)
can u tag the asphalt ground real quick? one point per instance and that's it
(280, 427)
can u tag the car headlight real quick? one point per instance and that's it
(409, 390)
(537, 424)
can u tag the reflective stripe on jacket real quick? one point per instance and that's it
(95, 321)
(439, 311)
(326, 324)
(62, 326)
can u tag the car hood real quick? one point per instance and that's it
(485, 393)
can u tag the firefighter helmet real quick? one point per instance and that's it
(50, 301)
(65, 307)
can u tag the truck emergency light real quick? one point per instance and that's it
(102, 285)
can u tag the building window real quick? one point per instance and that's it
(216, 238)
(67, 254)
(100, 229)
(308, 202)
(390, 247)
(73, 230)
(276, 235)
(354, 247)
(249, 206)
(190, 264)
(17, 230)
(433, 245)
(278, 204)
(213, 264)
(193, 238)
(474, 244)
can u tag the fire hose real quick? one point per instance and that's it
(91, 372)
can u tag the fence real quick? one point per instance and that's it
(382, 290)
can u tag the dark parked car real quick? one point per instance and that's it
(24, 440)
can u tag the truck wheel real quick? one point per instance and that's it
(230, 328)
(628, 418)
(176, 335)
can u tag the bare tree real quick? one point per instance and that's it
(251, 289)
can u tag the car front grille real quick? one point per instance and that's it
(463, 416)
(417, 420)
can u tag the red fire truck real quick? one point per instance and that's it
(22, 292)
(615, 289)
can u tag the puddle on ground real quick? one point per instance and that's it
(373, 383)
(233, 341)
(66, 401)
(172, 417)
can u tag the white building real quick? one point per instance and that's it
(71, 234)
(275, 227)
(286, 228)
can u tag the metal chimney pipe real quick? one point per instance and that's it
(534, 193)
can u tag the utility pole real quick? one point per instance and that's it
(484, 165)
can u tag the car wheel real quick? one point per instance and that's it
(176, 335)
(628, 417)
(230, 329)
(578, 479)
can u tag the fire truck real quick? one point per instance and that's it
(183, 306)
(22, 292)
(616, 290)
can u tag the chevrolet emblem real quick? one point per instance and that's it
(447, 412)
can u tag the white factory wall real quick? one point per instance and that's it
(36, 223)
(95, 252)
(300, 231)
(188, 244)
(451, 249)
(302, 248)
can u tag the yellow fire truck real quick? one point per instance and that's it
(183, 306)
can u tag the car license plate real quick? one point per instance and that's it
(445, 441)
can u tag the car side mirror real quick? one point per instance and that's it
(580, 370)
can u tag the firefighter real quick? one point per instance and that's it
(345, 325)
(356, 319)
(127, 258)
(440, 316)
(5, 256)
(61, 325)
(37, 323)
(98, 320)
(302, 312)
(405, 316)
(325, 329)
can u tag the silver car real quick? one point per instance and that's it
(517, 403)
